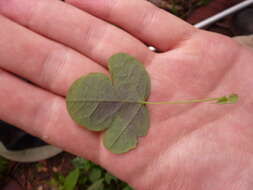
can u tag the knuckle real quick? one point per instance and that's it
(52, 67)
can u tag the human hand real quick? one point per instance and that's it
(199, 146)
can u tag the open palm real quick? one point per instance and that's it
(197, 146)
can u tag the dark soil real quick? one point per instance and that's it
(36, 176)
(194, 11)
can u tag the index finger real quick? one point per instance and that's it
(142, 19)
(74, 28)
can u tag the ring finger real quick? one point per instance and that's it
(79, 30)
(44, 62)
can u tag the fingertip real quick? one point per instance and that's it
(85, 3)
(6, 5)
(141, 19)
(97, 7)
(15, 10)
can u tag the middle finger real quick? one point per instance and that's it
(46, 63)
(68, 25)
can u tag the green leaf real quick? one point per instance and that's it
(71, 180)
(118, 105)
(3, 165)
(203, 2)
(81, 163)
(82, 180)
(61, 179)
(53, 182)
(98, 103)
(127, 188)
(109, 178)
(98, 185)
(95, 174)
(231, 99)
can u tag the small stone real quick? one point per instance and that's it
(42, 169)
(40, 187)
(55, 169)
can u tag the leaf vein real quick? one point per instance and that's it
(126, 126)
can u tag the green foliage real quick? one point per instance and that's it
(180, 8)
(71, 180)
(127, 188)
(39, 166)
(98, 103)
(95, 174)
(94, 177)
(86, 175)
(4, 164)
(58, 181)
(61, 182)
(55, 183)
(203, 2)
(97, 185)
(82, 164)
(109, 178)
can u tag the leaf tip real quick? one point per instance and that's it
(231, 99)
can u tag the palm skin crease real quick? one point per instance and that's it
(188, 147)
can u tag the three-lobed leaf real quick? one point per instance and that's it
(99, 103)
(117, 105)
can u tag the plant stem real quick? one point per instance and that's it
(231, 99)
(183, 101)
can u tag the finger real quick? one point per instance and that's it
(142, 19)
(73, 27)
(44, 115)
(42, 61)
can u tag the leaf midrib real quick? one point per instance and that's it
(126, 126)
(109, 101)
